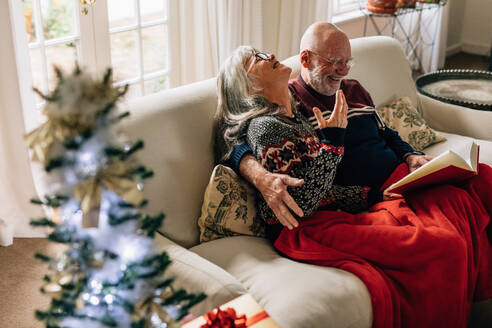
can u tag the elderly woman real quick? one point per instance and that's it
(255, 104)
(423, 259)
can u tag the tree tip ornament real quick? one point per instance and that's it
(110, 274)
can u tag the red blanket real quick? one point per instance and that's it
(424, 259)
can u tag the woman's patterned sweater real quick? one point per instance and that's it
(291, 146)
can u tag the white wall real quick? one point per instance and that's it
(470, 26)
(476, 36)
(456, 15)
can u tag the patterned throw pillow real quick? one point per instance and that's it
(402, 116)
(228, 207)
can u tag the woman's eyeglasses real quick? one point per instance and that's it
(260, 56)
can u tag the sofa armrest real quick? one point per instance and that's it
(196, 274)
(456, 119)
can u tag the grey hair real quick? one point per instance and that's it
(237, 105)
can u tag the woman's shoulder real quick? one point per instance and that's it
(268, 126)
(266, 122)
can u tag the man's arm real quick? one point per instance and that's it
(404, 151)
(273, 187)
(394, 141)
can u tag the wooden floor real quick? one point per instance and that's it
(467, 61)
(462, 60)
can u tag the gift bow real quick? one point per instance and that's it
(224, 318)
(114, 178)
(42, 138)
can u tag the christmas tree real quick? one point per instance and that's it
(110, 274)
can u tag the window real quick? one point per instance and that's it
(129, 35)
(344, 6)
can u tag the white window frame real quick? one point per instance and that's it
(94, 53)
(341, 7)
(138, 26)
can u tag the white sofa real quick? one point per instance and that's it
(177, 126)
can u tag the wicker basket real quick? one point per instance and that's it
(381, 6)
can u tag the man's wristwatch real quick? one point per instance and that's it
(412, 153)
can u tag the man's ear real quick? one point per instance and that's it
(304, 58)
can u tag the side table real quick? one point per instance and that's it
(462, 87)
(415, 32)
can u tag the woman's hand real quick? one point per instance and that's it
(390, 196)
(338, 118)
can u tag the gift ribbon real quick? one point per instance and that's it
(228, 318)
(42, 138)
(114, 178)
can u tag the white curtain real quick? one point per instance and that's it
(16, 182)
(295, 17)
(204, 32)
(427, 31)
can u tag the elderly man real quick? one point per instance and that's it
(372, 151)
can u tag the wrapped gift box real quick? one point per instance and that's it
(246, 305)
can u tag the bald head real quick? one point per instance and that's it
(325, 52)
(322, 35)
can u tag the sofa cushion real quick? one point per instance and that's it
(402, 116)
(228, 207)
(196, 275)
(295, 294)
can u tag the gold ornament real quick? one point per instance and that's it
(153, 305)
(55, 288)
(42, 138)
(115, 178)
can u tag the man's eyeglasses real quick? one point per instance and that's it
(340, 62)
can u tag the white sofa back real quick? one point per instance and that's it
(176, 126)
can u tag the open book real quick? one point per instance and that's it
(451, 166)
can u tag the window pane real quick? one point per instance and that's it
(124, 55)
(28, 11)
(153, 9)
(58, 18)
(64, 56)
(134, 91)
(154, 48)
(37, 71)
(155, 85)
(121, 13)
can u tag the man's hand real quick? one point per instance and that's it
(273, 188)
(416, 161)
(338, 118)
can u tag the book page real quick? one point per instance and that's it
(461, 157)
(465, 153)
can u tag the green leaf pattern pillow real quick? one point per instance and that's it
(228, 207)
(402, 116)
